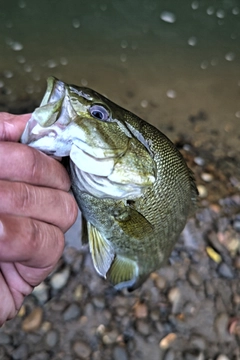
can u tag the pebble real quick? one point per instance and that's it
(81, 349)
(140, 310)
(33, 321)
(119, 353)
(225, 271)
(99, 302)
(194, 277)
(143, 327)
(170, 355)
(21, 352)
(199, 161)
(60, 279)
(52, 338)
(202, 190)
(207, 177)
(160, 282)
(41, 293)
(41, 355)
(174, 296)
(5, 339)
(167, 341)
(72, 312)
(78, 292)
(221, 326)
(197, 342)
(222, 357)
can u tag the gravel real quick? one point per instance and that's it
(187, 310)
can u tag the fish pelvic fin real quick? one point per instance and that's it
(101, 250)
(123, 273)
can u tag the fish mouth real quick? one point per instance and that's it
(55, 91)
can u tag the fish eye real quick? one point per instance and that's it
(99, 112)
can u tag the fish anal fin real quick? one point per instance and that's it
(101, 250)
(123, 272)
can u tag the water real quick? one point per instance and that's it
(167, 61)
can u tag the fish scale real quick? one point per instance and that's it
(136, 206)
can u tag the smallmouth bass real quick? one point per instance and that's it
(132, 185)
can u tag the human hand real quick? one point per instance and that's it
(35, 211)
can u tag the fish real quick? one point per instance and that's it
(132, 185)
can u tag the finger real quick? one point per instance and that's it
(7, 308)
(18, 286)
(12, 126)
(20, 162)
(33, 243)
(52, 206)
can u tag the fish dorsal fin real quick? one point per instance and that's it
(123, 272)
(101, 250)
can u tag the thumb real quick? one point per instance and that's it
(12, 126)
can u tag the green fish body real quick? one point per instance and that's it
(132, 185)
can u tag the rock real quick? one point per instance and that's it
(193, 356)
(33, 321)
(99, 302)
(110, 337)
(21, 352)
(78, 292)
(225, 271)
(81, 349)
(60, 279)
(119, 353)
(197, 342)
(41, 355)
(52, 338)
(5, 339)
(170, 355)
(194, 277)
(174, 296)
(140, 310)
(167, 341)
(202, 190)
(72, 312)
(207, 177)
(222, 357)
(221, 326)
(143, 327)
(41, 293)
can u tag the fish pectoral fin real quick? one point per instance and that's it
(123, 272)
(101, 250)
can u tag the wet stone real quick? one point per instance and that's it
(60, 279)
(5, 339)
(194, 277)
(197, 342)
(222, 357)
(221, 326)
(170, 355)
(174, 296)
(41, 355)
(82, 349)
(143, 327)
(20, 352)
(193, 356)
(41, 293)
(225, 271)
(72, 312)
(99, 302)
(52, 338)
(33, 321)
(119, 353)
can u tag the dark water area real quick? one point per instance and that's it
(176, 64)
(166, 61)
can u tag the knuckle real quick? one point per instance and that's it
(24, 196)
(71, 211)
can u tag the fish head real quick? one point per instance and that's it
(79, 122)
